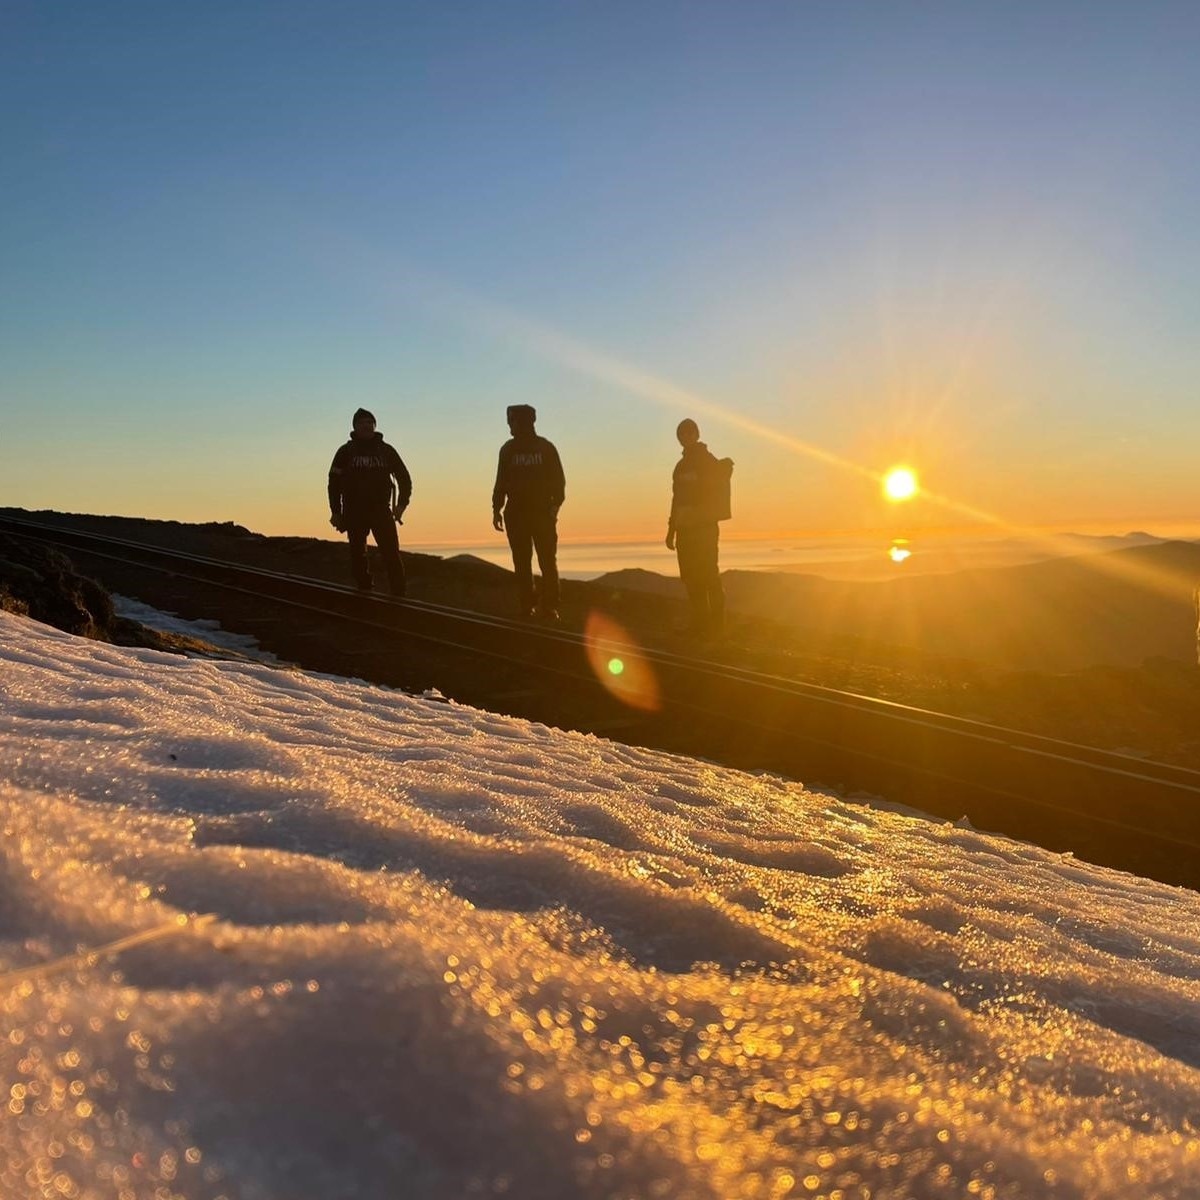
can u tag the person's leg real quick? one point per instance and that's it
(714, 592)
(520, 542)
(545, 539)
(383, 526)
(691, 573)
(357, 530)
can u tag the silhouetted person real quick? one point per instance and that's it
(369, 489)
(530, 488)
(699, 500)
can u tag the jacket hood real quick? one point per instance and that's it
(375, 437)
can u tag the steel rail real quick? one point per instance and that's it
(1115, 808)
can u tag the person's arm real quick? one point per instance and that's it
(499, 493)
(403, 483)
(557, 478)
(335, 492)
(671, 518)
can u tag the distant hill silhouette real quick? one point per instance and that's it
(636, 579)
(472, 562)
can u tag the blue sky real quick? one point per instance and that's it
(958, 235)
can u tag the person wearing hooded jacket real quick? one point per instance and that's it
(369, 489)
(699, 500)
(529, 490)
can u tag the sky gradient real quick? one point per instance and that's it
(958, 236)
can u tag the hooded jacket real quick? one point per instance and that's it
(529, 476)
(360, 477)
(699, 488)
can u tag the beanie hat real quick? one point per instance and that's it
(521, 414)
(363, 415)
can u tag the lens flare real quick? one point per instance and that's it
(899, 553)
(618, 663)
(899, 484)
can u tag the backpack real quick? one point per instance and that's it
(722, 478)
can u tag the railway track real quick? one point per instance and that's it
(1103, 806)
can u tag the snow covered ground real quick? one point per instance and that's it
(204, 630)
(366, 945)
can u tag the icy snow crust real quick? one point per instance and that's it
(454, 954)
(204, 630)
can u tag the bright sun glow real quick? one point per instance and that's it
(900, 484)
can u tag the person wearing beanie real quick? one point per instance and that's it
(530, 489)
(699, 500)
(369, 489)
